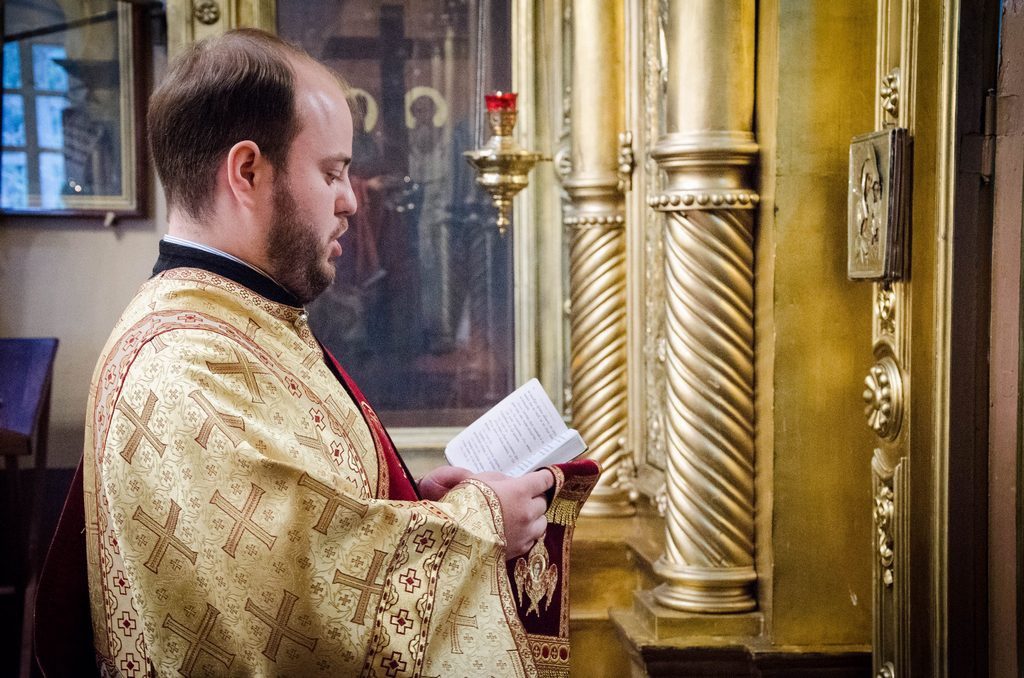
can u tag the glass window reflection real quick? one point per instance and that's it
(12, 66)
(51, 178)
(64, 105)
(14, 180)
(14, 120)
(49, 121)
(48, 74)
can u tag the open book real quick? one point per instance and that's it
(521, 433)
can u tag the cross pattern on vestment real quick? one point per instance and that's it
(424, 541)
(198, 641)
(314, 442)
(465, 550)
(92, 524)
(367, 587)
(245, 369)
(456, 620)
(142, 430)
(251, 329)
(348, 420)
(334, 500)
(393, 664)
(164, 537)
(279, 628)
(491, 560)
(243, 519)
(216, 419)
(313, 358)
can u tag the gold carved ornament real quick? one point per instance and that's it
(626, 162)
(884, 509)
(890, 93)
(885, 307)
(206, 12)
(883, 397)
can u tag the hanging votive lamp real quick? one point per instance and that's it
(502, 166)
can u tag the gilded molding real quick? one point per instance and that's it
(596, 221)
(188, 20)
(597, 255)
(891, 568)
(703, 200)
(707, 207)
(887, 393)
(650, 256)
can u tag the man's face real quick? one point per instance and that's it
(312, 195)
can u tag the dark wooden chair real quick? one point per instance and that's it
(63, 626)
(26, 377)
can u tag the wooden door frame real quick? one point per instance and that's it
(960, 644)
(1005, 373)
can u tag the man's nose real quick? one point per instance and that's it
(346, 204)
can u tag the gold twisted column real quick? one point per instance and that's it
(598, 334)
(708, 564)
(597, 250)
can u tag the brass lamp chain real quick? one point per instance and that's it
(478, 94)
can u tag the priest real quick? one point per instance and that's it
(246, 511)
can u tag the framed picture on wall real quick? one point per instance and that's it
(422, 308)
(72, 108)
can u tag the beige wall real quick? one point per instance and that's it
(70, 278)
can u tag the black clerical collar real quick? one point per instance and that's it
(173, 255)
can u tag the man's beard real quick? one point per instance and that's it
(297, 256)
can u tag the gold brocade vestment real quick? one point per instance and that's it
(236, 512)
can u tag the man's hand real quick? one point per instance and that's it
(523, 506)
(436, 484)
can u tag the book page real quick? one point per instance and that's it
(508, 435)
(564, 447)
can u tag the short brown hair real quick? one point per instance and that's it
(222, 90)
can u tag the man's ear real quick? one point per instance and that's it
(248, 170)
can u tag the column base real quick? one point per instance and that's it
(705, 589)
(608, 502)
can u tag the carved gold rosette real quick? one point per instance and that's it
(597, 255)
(708, 202)
(883, 397)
